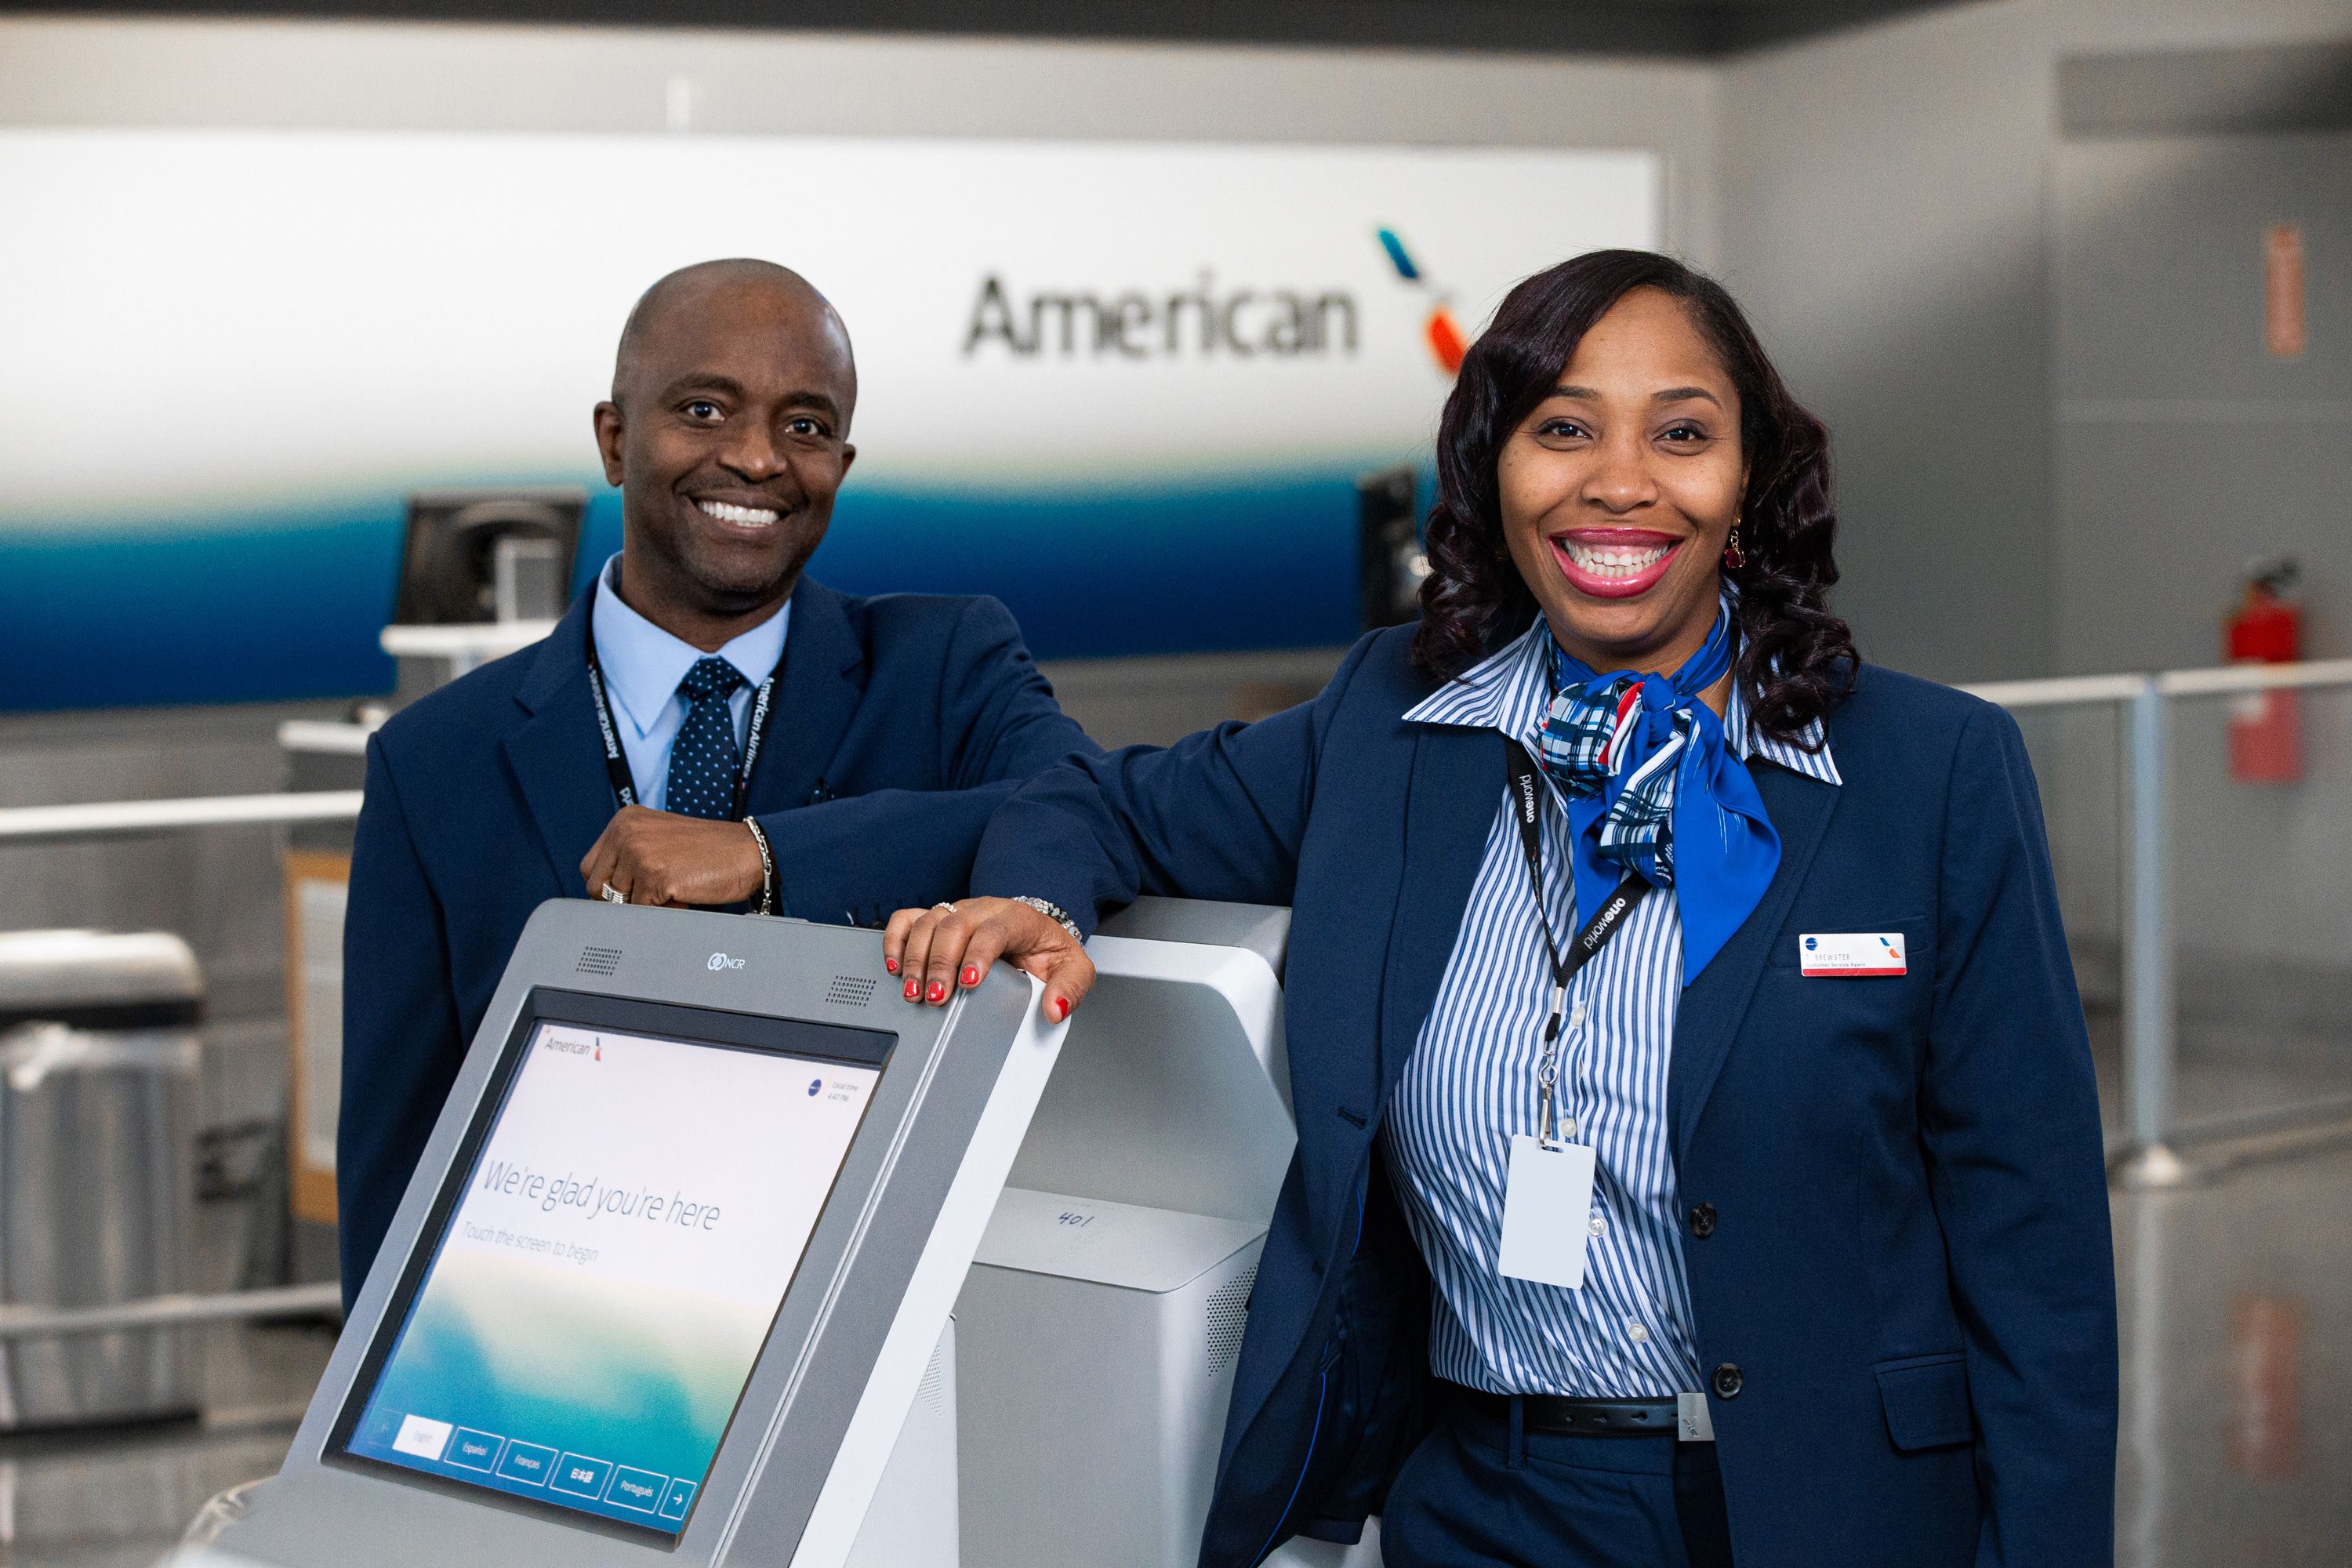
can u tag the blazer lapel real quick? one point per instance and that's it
(823, 680)
(1457, 788)
(557, 755)
(1713, 1005)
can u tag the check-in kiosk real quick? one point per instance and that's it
(673, 1282)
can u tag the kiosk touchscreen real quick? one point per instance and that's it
(676, 1262)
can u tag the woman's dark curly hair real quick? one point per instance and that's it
(1796, 659)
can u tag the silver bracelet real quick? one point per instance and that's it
(767, 870)
(1054, 913)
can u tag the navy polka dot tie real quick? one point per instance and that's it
(703, 760)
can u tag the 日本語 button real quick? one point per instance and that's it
(673, 1506)
(473, 1450)
(582, 1477)
(527, 1462)
(640, 1491)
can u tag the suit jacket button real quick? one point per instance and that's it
(1702, 1221)
(1727, 1381)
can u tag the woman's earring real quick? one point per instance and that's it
(1733, 557)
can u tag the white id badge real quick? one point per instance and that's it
(1546, 1209)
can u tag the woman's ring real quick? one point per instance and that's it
(950, 908)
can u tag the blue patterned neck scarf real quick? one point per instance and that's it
(1653, 789)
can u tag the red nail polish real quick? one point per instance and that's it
(972, 974)
(938, 991)
(891, 964)
(910, 991)
(1061, 1008)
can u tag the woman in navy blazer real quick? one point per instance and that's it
(1840, 1290)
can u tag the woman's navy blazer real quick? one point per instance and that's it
(1904, 1288)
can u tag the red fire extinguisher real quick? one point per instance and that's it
(2266, 627)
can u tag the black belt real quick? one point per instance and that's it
(1572, 1417)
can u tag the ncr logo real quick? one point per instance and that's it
(719, 961)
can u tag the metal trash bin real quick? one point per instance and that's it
(100, 1063)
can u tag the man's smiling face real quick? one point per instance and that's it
(727, 433)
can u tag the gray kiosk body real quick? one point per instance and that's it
(1100, 1327)
(673, 1281)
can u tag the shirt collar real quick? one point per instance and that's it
(642, 664)
(1510, 689)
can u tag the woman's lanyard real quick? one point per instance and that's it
(616, 764)
(1525, 799)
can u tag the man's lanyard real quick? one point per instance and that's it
(1596, 931)
(616, 762)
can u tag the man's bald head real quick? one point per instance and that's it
(728, 435)
(720, 293)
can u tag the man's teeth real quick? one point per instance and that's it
(1615, 560)
(748, 516)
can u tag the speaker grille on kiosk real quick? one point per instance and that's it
(1228, 1315)
(599, 960)
(934, 1390)
(849, 991)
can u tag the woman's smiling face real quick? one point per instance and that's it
(1618, 490)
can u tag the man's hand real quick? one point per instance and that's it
(660, 858)
(938, 951)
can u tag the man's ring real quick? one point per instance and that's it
(611, 895)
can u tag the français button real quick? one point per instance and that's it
(638, 1491)
(528, 1463)
(582, 1477)
(673, 1506)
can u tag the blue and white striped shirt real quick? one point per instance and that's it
(1471, 1084)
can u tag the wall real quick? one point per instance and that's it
(1885, 214)
(369, 76)
(2058, 436)
(56, 73)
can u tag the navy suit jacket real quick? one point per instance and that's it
(1909, 1265)
(900, 723)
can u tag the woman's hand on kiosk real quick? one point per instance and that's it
(948, 947)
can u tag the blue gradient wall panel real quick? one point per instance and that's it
(1125, 388)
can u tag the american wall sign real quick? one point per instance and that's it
(1127, 388)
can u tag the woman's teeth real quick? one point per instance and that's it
(1615, 560)
(746, 516)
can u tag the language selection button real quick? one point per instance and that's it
(527, 1462)
(680, 1494)
(637, 1489)
(421, 1437)
(583, 1477)
(474, 1450)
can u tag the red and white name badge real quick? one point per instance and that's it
(1850, 954)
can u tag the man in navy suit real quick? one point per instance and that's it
(706, 727)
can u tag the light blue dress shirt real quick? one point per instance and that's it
(643, 665)
(1470, 1084)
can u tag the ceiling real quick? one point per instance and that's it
(1683, 29)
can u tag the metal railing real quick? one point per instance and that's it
(2149, 1157)
(2149, 990)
